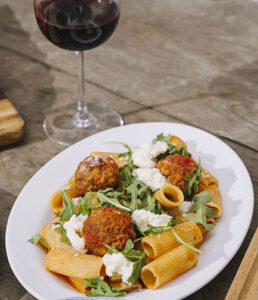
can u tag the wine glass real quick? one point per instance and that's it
(78, 25)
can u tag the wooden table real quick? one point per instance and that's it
(192, 62)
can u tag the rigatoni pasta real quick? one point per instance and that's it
(65, 262)
(168, 266)
(215, 202)
(131, 227)
(52, 237)
(156, 245)
(78, 283)
(56, 203)
(169, 196)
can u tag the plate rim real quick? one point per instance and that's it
(193, 290)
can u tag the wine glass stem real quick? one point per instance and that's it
(82, 115)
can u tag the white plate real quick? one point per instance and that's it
(31, 210)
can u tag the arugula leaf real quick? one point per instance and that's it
(159, 229)
(152, 204)
(128, 154)
(85, 206)
(136, 195)
(68, 208)
(126, 171)
(193, 182)
(137, 257)
(100, 288)
(202, 210)
(111, 249)
(174, 149)
(36, 238)
(128, 246)
(161, 138)
(112, 201)
(59, 228)
(125, 175)
(184, 243)
(132, 190)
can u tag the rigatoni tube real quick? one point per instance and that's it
(168, 266)
(72, 264)
(156, 245)
(169, 196)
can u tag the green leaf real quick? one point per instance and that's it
(111, 250)
(60, 229)
(159, 229)
(152, 204)
(134, 195)
(161, 138)
(125, 176)
(202, 210)
(84, 204)
(193, 182)
(174, 149)
(68, 208)
(139, 260)
(128, 154)
(137, 257)
(36, 238)
(126, 171)
(184, 243)
(100, 288)
(112, 201)
(128, 246)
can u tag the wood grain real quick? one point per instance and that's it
(165, 53)
(192, 62)
(245, 284)
(11, 124)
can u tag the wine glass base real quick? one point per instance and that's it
(62, 127)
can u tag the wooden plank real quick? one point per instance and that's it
(165, 52)
(245, 284)
(230, 117)
(43, 89)
(11, 123)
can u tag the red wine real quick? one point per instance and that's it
(77, 24)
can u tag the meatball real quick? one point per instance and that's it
(94, 173)
(175, 168)
(110, 225)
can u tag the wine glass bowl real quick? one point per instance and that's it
(78, 25)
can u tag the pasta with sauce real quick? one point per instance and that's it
(127, 218)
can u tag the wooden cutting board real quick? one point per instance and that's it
(245, 283)
(11, 123)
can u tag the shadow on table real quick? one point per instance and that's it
(9, 286)
(26, 81)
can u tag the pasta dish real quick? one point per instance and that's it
(133, 220)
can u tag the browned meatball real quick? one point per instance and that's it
(109, 225)
(175, 168)
(94, 173)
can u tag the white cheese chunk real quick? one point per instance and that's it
(186, 206)
(75, 201)
(143, 217)
(73, 227)
(118, 263)
(144, 157)
(150, 176)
